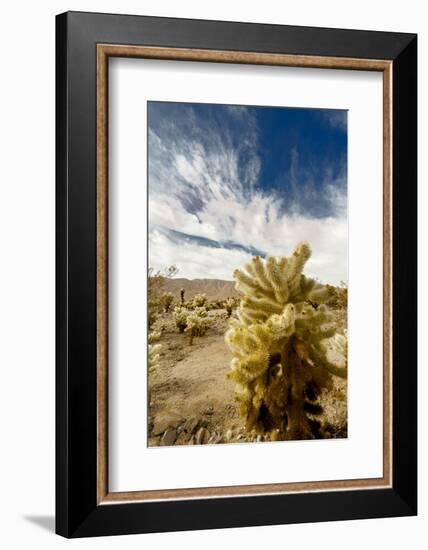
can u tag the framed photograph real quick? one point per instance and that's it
(236, 274)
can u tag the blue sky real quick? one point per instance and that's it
(228, 182)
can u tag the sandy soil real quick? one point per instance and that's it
(190, 386)
(191, 400)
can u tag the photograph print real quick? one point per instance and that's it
(248, 274)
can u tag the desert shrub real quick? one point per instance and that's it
(198, 322)
(339, 297)
(280, 361)
(215, 304)
(199, 300)
(155, 286)
(167, 299)
(152, 314)
(342, 297)
(182, 296)
(229, 304)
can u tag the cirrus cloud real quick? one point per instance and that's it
(210, 210)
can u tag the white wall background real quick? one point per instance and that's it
(27, 271)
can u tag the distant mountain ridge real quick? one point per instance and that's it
(215, 289)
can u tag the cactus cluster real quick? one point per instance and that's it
(198, 323)
(194, 321)
(280, 359)
(180, 315)
(199, 300)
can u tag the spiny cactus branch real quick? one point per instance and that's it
(280, 360)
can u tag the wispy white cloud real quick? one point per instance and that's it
(206, 186)
(337, 119)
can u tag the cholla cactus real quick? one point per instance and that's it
(280, 363)
(229, 304)
(154, 349)
(199, 300)
(337, 350)
(198, 323)
(182, 296)
(180, 317)
(167, 299)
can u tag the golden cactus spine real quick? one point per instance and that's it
(280, 363)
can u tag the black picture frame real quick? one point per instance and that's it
(77, 512)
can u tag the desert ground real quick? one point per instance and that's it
(190, 399)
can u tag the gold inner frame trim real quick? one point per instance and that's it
(104, 51)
